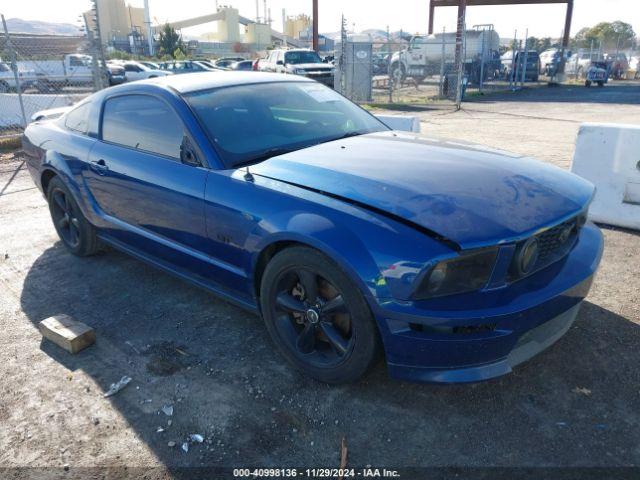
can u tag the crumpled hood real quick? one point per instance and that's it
(471, 195)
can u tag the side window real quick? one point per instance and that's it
(75, 62)
(78, 118)
(144, 123)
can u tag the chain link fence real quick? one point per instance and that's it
(413, 69)
(41, 72)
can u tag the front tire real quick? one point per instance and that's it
(76, 233)
(317, 317)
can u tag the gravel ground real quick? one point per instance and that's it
(577, 404)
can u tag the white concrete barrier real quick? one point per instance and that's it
(404, 123)
(10, 114)
(608, 155)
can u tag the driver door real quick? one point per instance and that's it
(152, 200)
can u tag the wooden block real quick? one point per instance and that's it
(67, 333)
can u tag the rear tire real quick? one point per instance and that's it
(317, 317)
(76, 233)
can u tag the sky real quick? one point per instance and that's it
(408, 15)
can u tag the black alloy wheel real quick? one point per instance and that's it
(312, 316)
(317, 317)
(65, 219)
(76, 233)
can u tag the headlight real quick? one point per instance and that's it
(466, 273)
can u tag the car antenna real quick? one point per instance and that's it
(247, 176)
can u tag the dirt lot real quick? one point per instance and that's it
(577, 404)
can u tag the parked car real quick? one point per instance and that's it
(208, 64)
(579, 62)
(634, 68)
(151, 65)
(243, 65)
(618, 65)
(139, 71)
(550, 60)
(27, 78)
(116, 74)
(187, 66)
(380, 63)
(512, 70)
(282, 196)
(299, 61)
(226, 62)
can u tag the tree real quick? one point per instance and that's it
(170, 42)
(611, 34)
(541, 44)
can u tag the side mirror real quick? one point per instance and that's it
(279, 62)
(188, 154)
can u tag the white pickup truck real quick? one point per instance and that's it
(27, 78)
(73, 70)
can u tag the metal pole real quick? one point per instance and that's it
(389, 55)
(147, 21)
(462, 8)
(315, 25)
(432, 11)
(516, 74)
(284, 27)
(14, 68)
(441, 91)
(524, 59)
(482, 65)
(459, 47)
(513, 59)
(97, 78)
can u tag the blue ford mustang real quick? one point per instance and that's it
(274, 192)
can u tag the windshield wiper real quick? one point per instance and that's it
(266, 155)
(342, 137)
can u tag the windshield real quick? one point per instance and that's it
(249, 123)
(301, 57)
(4, 67)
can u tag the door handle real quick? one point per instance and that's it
(99, 166)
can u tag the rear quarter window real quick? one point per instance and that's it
(78, 118)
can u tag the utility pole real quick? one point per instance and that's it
(315, 25)
(147, 21)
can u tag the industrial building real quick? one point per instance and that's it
(121, 25)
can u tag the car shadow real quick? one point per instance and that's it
(575, 404)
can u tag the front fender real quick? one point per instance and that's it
(330, 237)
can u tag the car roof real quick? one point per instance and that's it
(192, 82)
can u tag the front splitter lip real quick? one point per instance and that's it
(530, 344)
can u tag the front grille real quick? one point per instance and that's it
(556, 241)
(553, 245)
